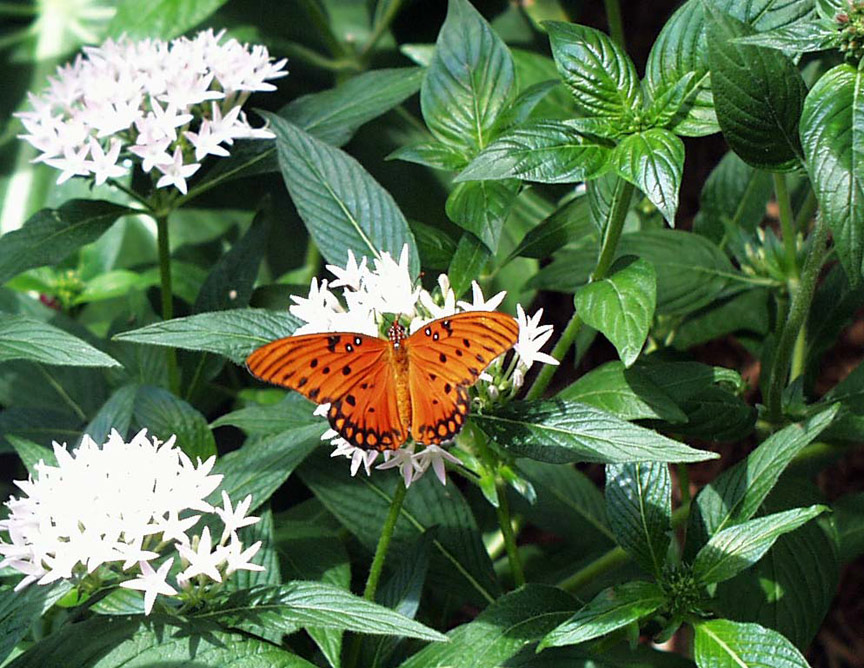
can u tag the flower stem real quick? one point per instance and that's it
(384, 542)
(799, 307)
(613, 18)
(167, 295)
(614, 227)
(504, 521)
(381, 26)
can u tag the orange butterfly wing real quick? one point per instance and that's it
(444, 359)
(351, 372)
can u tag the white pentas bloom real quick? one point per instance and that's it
(118, 510)
(370, 295)
(165, 105)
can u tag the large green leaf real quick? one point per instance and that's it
(745, 312)
(24, 338)
(653, 161)
(570, 222)
(481, 207)
(832, 133)
(626, 393)
(20, 609)
(611, 609)
(738, 492)
(317, 604)
(731, 550)
(460, 563)
(621, 307)
(560, 431)
(758, 95)
(261, 466)
(234, 334)
(639, 507)
(722, 643)
(545, 151)
(500, 631)
(264, 420)
(344, 208)
(598, 71)
(691, 271)
(734, 197)
(470, 81)
(162, 19)
(468, 261)
(166, 415)
(110, 641)
(50, 235)
(334, 115)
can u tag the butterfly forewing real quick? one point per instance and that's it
(445, 358)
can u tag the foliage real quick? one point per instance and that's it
(521, 151)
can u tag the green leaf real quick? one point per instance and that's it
(849, 519)
(468, 262)
(343, 207)
(653, 161)
(116, 413)
(293, 411)
(747, 311)
(611, 609)
(164, 415)
(691, 271)
(316, 604)
(230, 281)
(734, 197)
(19, 610)
(111, 284)
(334, 115)
(162, 19)
(568, 504)
(234, 334)
(431, 154)
(460, 563)
(832, 133)
(599, 73)
(758, 96)
(805, 36)
(626, 393)
(500, 631)
(722, 643)
(621, 307)
(261, 466)
(558, 431)
(469, 83)
(639, 506)
(31, 453)
(481, 207)
(570, 222)
(669, 106)
(738, 492)
(436, 247)
(106, 641)
(50, 235)
(544, 151)
(24, 338)
(731, 550)
(716, 414)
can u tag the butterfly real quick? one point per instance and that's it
(381, 391)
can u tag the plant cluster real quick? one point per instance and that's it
(519, 163)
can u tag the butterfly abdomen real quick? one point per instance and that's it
(399, 364)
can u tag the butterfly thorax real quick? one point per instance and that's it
(396, 334)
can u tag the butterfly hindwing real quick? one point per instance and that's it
(446, 357)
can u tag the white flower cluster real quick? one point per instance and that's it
(367, 294)
(167, 105)
(120, 505)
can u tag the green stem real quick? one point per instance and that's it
(312, 263)
(16, 9)
(614, 227)
(787, 224)
(684, 483)
(59, 389)
(384, 542)
(504, 522)
(167, 294)
(612, 559)
(381, 26)
(613, 17)
(799, 307)
(807, 211)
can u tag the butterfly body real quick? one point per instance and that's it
(383, 391)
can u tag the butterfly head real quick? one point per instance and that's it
(396, 334)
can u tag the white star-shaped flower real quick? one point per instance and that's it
(104, 165)
(435, 456)
(532, 337)
(152, 583)
(239, 559)
(235, 519)
(203, 560)
(479, 303)
(176, 172)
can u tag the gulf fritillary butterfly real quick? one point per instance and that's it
(380, 391)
